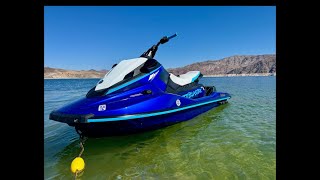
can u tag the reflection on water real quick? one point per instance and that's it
(232, 141)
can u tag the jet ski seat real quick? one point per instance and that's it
(186, 78)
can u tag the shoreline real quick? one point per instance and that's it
(214, 75)
(237, 75)
(73, 78)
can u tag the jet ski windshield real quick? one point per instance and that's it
(123, 72)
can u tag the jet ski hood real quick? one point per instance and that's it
(119, 72)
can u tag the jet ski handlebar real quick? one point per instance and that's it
(166, 39)
(173, 36)
(151, 52)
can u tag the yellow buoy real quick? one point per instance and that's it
(77, 165)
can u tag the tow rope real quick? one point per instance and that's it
(78, 165)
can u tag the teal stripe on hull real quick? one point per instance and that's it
(153, 114)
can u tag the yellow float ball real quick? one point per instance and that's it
(77, 165)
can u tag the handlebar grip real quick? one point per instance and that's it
(172, 36)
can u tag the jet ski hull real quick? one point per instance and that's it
(123, 127)
(99, 126)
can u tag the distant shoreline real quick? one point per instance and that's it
(236, 75)
(215, 75)
(74, 78)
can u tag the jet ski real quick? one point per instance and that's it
(138, 95)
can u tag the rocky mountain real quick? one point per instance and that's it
(62, 73)
(234, 65)
(244, 64)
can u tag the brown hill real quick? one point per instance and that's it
(245, 64)
(232, 65)
(62, 73)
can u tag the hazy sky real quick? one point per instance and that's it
(96, 37)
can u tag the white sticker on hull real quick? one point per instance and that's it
(102, 107)
(152, 76)
(178, 103)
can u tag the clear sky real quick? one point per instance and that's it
(96, 37)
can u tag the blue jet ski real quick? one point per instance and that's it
(138, 95)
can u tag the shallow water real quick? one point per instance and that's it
(233, 141)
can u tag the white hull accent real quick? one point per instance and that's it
(117, 74)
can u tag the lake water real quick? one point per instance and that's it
(233, 141)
